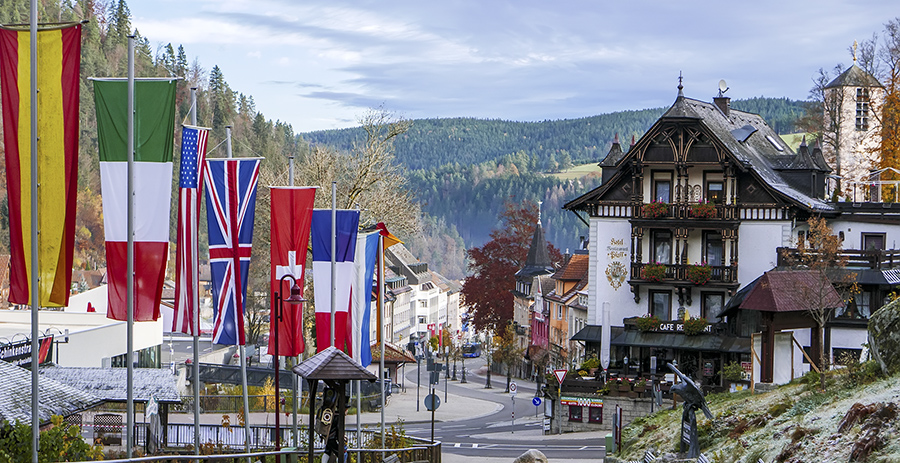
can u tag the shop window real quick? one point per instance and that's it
(575, 413)
(661, 304)
(595, 415)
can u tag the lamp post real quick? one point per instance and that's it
(294, 299)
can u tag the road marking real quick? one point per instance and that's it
(474, 446)
(583, 447)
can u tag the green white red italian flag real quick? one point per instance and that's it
(154, 129)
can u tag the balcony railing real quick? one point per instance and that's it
(692, 211)
(855, 258)
(677, 273)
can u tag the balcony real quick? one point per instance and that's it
(676, 274)
(855, 258)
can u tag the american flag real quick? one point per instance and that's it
(230, 209)
(187, 278)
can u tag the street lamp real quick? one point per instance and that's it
(278, 309)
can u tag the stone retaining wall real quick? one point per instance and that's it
(631, 409)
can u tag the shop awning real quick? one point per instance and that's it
(635, 338)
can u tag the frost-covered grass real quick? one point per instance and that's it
(794, 423)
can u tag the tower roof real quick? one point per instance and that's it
(538, 261)
(854, 76)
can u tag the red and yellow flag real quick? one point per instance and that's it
(58, 67)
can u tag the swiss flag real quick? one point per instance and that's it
(291, 217)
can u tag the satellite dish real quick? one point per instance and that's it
(723, 87)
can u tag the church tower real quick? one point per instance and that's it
(852, 133)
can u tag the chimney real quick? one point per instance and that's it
(722, 103)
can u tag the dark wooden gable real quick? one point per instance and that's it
(681, 140)
(619, 189)
(752, 191)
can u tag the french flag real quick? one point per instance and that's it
(347, 225)
(363, 277)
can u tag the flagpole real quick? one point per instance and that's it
(129, 356)
(333, 255)
(196, 293)
(241, 347)
(35, 293)
(380, 307)
(295, 359)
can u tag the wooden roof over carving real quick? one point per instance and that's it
(786, 291)
(332, 363)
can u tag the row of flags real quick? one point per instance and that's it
(231, 188)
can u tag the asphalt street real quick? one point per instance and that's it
(493, 431)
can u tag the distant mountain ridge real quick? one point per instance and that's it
(462, 170)
(432, 143)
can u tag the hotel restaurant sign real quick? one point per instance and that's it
(19, 353)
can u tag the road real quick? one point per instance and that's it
(495, 435)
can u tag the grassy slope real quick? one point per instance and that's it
(577, 171)
(793, 416)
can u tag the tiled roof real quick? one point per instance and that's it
(783, 291)
(331, 363)
(392, 354)
(110, 384)
(575, 269)
(54, 397)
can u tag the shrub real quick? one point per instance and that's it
(648, 323)
(704, 210)
(653, 272)
(699, 274)
(592, 362)
(656, 209)
(732, 371)
(695, 326)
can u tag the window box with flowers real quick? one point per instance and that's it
(695, 326)
(648, 323)
(653, 272)
(698, 274)
(704, 210)
(656, 209)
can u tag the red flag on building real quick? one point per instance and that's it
(290, 221)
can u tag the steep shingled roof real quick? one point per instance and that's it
(538, 261)
(332, 363)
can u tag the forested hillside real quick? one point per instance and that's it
(462, 170)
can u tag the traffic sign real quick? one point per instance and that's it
(536, 401)
(432, 402)
(560, 375)
(513, 388)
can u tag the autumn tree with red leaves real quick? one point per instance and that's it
(488, 289)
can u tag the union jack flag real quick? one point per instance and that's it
(230, 209)
(187, 278)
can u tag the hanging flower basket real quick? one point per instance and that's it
(656, 209)
(695, 326)
(699, 274)
(648, 323)
(653, 272)
(704, 210)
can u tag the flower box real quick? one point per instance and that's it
(704, 210)
(653, 272)
(656, 209)
(695, 326)
(698, 274)
(648, 323)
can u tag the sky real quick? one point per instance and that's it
(320, 64)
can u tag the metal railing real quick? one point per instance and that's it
(677, 273)
(227, 441)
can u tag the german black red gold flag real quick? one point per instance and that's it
(58, 67)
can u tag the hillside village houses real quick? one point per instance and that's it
(701, 209)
